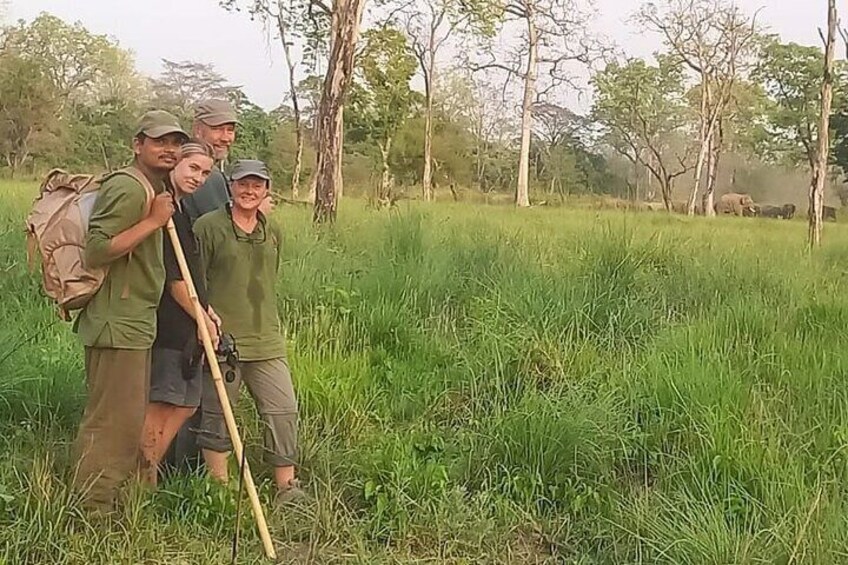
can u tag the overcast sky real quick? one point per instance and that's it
(199, 30)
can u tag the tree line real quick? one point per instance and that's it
(722, 102)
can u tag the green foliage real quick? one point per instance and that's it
(643, 110)
(383, 98)
(76, 61)
(640, 104)
(255, 132)
(791, 75)
(27, 111)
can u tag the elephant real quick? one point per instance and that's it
(735, 203)
(679, 207)
(788, 211)
(828, 213)
(785, 212)
(653, 206)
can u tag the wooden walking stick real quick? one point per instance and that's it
(218, 379)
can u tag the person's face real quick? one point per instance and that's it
(249, 193)
(160, 154)
(191, 172)
(221, 137)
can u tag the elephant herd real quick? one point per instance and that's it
(737, 204)
(743, 205)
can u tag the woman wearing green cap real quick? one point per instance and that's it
(240, 251)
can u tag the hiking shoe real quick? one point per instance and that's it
(290, 494)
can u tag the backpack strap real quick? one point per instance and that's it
(141, 179)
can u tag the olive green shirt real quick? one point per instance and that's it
(122, 314)
(241, 275)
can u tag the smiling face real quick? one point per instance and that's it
(191, 172)
(160, 154)
(249, 193)
(220, 137)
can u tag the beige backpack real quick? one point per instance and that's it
(56, 228)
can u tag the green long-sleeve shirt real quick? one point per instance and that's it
(241, 273)
(122, 314)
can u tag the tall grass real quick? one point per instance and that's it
(485, 385)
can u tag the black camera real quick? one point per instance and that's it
(227, 353)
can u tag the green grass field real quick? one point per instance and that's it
(486, 385)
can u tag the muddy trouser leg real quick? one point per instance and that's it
(270, 385)
(108, 442)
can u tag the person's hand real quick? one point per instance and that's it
(162, 209)
(212, 328)
(267, 205)
(214, 316)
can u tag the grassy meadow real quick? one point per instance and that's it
(485, 385)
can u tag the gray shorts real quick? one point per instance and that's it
(167, 382)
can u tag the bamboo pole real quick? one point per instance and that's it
(218, 379)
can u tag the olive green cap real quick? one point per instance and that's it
(159, 123)
(215, 112)
(249, 168)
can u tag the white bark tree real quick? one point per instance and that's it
(714, 39)
(819, 175)
(554, 35)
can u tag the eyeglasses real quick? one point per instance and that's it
(249, 238)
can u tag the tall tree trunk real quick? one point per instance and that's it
(712, 170)
(427, 178)
(522, 192)
(820, 166)
(705, 134)
(340, 168)
(346, 19)
(298, 123)
(385, 195)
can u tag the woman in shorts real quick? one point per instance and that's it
(176, 375)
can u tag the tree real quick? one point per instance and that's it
(819, 164)
(554, 35)
(383, 100)
(713, 38)
(257, 129)
(791, 74)
(642, 108)
(429, 28)
(28, 106)
(182, 84)
(556, 139)
(346, 17)
(287, 17)
(75, 61)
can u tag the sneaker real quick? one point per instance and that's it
(287, 495)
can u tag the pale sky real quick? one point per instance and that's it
(199, 30)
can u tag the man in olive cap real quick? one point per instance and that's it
(215, 123)
(240, 251)
(118, 326)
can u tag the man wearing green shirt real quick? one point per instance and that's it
(240, 252)
(118, 326)
(215, 122)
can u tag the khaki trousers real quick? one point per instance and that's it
(107, 444)
(270, 384)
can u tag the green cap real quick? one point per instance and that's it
(249, 168)
(215, 112)
(159, 123)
